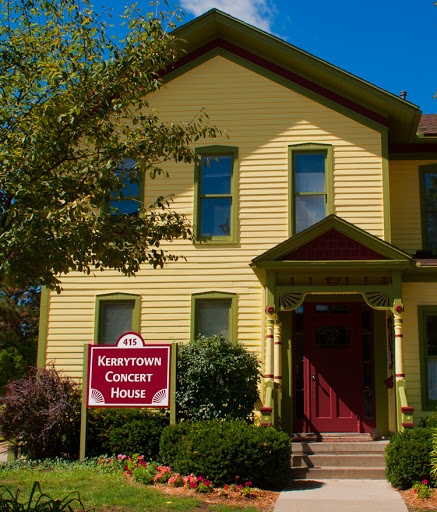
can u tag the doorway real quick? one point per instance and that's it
(334, 368)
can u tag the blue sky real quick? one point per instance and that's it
(389, 43)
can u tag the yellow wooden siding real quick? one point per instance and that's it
(261, 118)
(414, 295)
(405, 203)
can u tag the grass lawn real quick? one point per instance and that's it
(104, 491)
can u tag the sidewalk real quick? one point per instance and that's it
(340, 496)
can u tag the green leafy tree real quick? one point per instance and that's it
(73, 105)
(19, 312)
(216, 379)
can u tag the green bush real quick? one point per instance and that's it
(40, 414)
(216, 378)
(408, 458)
(224, 452)
(125, 431)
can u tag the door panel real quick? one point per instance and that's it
(333, 368)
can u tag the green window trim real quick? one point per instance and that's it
(423, 171)
(423, 313)
(308, 148)
(212, 151)
(230, 298)
(116, 297)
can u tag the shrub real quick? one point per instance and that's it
(216, 378)
(223, 451)
(126, 431)
(41, 414)
(408, 458)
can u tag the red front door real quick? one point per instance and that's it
(335, 387)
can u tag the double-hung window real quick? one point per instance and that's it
(214, 313)
(216, 200)
(116, 314)
(310, 185)
(128, 199)
(428, 355)
(428, 197)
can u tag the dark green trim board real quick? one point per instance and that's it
(386, 186)
(213, 296)
(423, 171)
(117, 297)
(308, 148)
(216, 151)
(423, 312)
(43, 325)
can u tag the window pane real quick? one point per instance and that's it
(216, 174)
(309, 210)
(332, 336)
(126, 200)
(431, 229)
(432, 379)
(309, 172)
(431, 335)
(431, 191)
(116, 319)
(216, 216)
(213, 317)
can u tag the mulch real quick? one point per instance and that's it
(260, 499)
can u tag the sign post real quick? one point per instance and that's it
(128, 374)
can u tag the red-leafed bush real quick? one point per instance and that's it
(40, 414)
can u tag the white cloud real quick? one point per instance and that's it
(254, 12)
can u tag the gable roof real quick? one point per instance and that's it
(352, 240)
(325, 82)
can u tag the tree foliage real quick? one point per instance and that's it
(73, 105)
(216, 379)
(40, 414)
(19, 311)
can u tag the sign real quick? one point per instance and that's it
(129, 374)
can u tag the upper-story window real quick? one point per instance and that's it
(216, 194)
(310, 185)
(428, 189)
(127, 200)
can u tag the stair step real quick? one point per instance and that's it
(325, 447)
(358, 460)
(341, 472)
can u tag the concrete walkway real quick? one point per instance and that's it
(340, 496)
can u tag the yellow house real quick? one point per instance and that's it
(315, 231)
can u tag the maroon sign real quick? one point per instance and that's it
(130, 374)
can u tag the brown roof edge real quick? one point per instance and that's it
(428, 124)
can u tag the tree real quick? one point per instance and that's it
(216, 379)
(19, 311)
(73, 105)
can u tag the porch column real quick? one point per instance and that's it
(269, 371)
(277, 353)
(404, 413)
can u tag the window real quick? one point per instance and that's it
(428, 355)
(116, 314)
(216, 200)
(128, 199)
(310, 185)
(214, 313)
(428, 197)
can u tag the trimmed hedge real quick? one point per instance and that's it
(125, 431)
(228, 452)
(408, 458)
